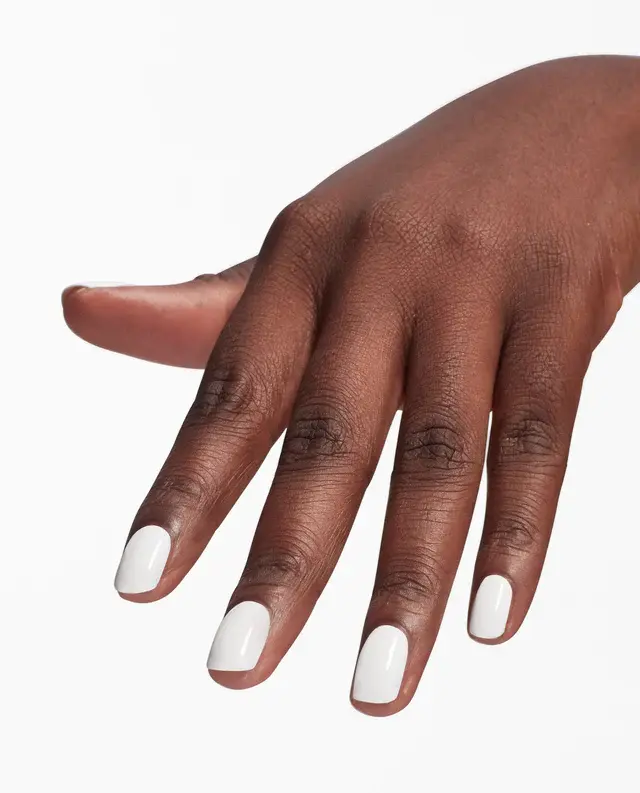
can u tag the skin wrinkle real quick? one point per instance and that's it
(466, 266)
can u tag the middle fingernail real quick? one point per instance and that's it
(240, 639)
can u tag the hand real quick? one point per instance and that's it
(470, 265)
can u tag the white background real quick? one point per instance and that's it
(150, 142)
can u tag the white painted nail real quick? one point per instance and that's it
(143, 560)
(240, 639)
(380, 666)
(490, 610)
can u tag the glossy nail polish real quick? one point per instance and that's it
(380, 666)
(240, 639)
(490, 610)
(143, 560)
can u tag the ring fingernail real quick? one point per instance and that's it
(240, 639)
(143, 560)
(380, 666)
(490, 610)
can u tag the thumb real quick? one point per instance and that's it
(175, 324)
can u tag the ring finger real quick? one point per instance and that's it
(434, 485)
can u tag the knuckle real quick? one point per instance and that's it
(391, 220)
(322, 435)
(288, 561)
(187, 486)
(238, 392)
(454, 235)
(319, 434)
(307, 221)
(511, 535)
(303, 235)
(410, 579)
(461, 236)
(546, 263)
(547, 252)
(531, 435)
(436, 445)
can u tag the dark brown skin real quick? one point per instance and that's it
(469, 265)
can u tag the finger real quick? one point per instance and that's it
(346, 403)
(433, 490)
(241, 408)
(176, 325)
(536, 400)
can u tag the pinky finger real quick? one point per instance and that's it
(536, 399)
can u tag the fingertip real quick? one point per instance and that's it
(142, 597)
(490, 642)
(238, 681)
(169, 581)
(71, 299)
(508, 634)
(378, 710)
(81, 291)
(79, 302)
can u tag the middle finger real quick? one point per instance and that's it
(345, 405)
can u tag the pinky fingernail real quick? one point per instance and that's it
(491, 606)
